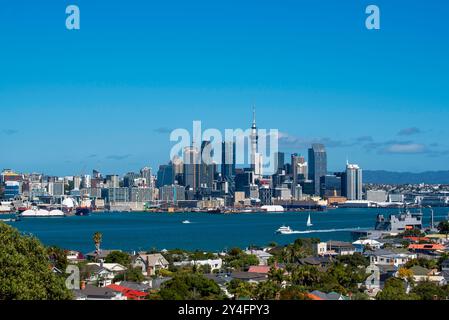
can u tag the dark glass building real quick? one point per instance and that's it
(228, 160)
(330, 186)
(317, 165)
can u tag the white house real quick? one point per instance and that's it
(150, 263)
(386, 257)
(262, 255)
(215, 264)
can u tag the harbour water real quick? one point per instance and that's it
(212, 232)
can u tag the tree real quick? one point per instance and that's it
(25, 272)
(306, 276)
(405, 274)
(97, 238)
(190, 287)
(118, 257)
(276, 275)
(429, 291)
(239, 260)
(267, 290)
(443, 228)
(293, 293)
(132, 274)
(422, 262)
(394, 289)
(241, 289)
(354, 260)
(58, 258)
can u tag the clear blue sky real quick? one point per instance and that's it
(105, 96)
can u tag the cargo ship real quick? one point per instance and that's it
(85, 207)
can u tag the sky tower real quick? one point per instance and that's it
(256, 158)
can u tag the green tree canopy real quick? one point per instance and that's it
(132, 274)
(190, 287)
(25, 272)
(443, 228)
(118, 257)
(429, 291)
(394, 289)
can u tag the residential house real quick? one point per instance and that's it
(90, 292)
(426, 247)
(322, 262)
(388, 257)
(259, 269)
(262, 255)
(74, 256)
(102, 274)
(328, 296)
(215, 264)
(421, 274)
(362, 244)
(150, 263)
(129, 293)
(144, 287)
(92, 256)
(340, 248)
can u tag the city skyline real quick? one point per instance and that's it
(107, 95)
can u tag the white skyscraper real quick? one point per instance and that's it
(353, 182)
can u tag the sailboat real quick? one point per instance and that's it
(309, 221)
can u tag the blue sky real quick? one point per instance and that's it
(105, 96)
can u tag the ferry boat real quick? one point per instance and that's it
(284, 230)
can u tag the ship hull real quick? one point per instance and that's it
(83, 211)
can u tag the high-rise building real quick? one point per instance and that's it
(279, 161)
(353, 182)
(146, 174)
(56, 188)
(192, 168)
(113, 181)
(207, 166)
(330, 186)
(228, 159)
(317, 165)
(12, 190)
(96, 174)
(129, 178)
(76, 182)
(172, 193)
(165, 175)
(299, 170)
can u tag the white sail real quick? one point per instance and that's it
(309, 221)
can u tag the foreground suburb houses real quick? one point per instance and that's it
(149, 263)
(386, 258)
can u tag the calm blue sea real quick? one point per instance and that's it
(142, 231)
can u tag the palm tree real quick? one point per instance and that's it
(97, 240)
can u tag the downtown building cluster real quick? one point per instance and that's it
(189, 182)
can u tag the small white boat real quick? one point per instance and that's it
(285, 230)
(309, 221)
(186, 222)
